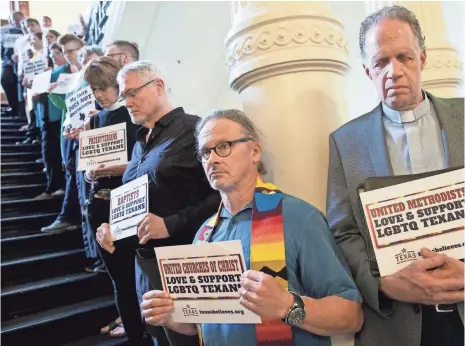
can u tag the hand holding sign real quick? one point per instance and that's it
(262, 294)
(151, 227)
(415, 284)
(452, 269)
(157, 307)
(104, 238)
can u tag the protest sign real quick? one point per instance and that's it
(78, 104)
(128, 205)
(41, 82)
(31, 68)
(10, 39)
(66, 83)
(403, 218)
(106, 145)
(204, 281)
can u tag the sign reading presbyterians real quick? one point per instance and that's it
(106, 145)
(427, 212)
(204, 281)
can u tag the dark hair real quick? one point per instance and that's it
(391, 12)
(128, 47)
(32, 21)
(47, 17)
(54, 33)
(66, 38)
(55, 45)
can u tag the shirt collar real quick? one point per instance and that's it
(115, 106)
(164, 122)
(225, 214)
(408, 116)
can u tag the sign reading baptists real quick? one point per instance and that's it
(106, 145)
(128, 205)
(204, 281)
(426, 212)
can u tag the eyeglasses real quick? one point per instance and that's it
(133, 92)
(222, 149)
(56, 53)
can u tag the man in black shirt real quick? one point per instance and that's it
(180, 197)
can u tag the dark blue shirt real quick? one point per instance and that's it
(179, 191)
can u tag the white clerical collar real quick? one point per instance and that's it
(410, 115)
(115, 106)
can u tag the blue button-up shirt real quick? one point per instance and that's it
(315, 267)
(414, 139)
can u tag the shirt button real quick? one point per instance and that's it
(416, 308)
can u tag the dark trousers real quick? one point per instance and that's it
(441, 328)
(70, 210)
(165, 336)
(9, 82)
(120, 267)
(90, 244)
(51, 155)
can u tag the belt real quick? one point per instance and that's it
(102, 194)
(443, 307)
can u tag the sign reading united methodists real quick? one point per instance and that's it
(403, 218)
(106, 145)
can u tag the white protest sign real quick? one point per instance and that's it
(403, 218)
(66, 83)
(204, 281)
(10, 39)
(31, 68)
(106, 145)
(41, 82)
(128, 204)
(78, 104)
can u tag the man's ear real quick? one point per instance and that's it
(423, 59)
(367, 70)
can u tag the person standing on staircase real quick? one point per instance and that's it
(9, 79)
(180, 197)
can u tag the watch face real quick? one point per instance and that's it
(296, 316)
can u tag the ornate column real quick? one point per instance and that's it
(288, 60)
(443, 72)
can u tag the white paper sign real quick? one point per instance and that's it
(10, 39)
(66, 83)
(31, 68)
(204, 281)
(403, 218)
(106, 145)
(41, 82)
(78, 104)
(128, 205)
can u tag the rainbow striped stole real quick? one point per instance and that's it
(267, 254)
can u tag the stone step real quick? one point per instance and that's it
(33, 297)
(20, 207)
(20, 156)
(17, 245)
(26, 166)
(20, 148)
(10, 192)
(39, 267)
(27, 223)
(22, 178)
(61, 325)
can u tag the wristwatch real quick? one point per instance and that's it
(296, 314)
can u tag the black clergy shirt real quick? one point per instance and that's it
(179, 191)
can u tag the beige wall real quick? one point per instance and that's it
(63, 13)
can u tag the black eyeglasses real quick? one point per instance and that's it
(134, 92)
(222, 149)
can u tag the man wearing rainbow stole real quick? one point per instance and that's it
(298, 282)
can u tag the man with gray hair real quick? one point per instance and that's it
(297, 281)
(90, 52)
(409, 132)
(180, 198)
